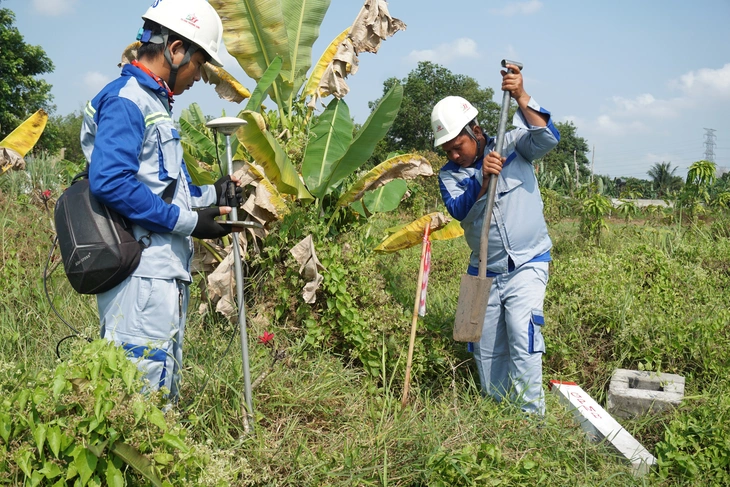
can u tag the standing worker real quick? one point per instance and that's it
(509, 354)
(136, 168)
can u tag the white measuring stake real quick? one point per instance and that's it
(600, 425)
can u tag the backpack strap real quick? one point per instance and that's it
(167, 196)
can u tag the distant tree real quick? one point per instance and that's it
(422, 89)
(561, 156)
(62, 132)
(633, 188)
(664, 179)
(21, 94)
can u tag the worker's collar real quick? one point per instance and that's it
(157, 79)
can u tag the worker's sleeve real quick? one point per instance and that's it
(530, 141)
(459, 195)
(115, 163)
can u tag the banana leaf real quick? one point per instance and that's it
(273, 195)
(25, 135)
(194, 114)
(386, 198)
(406, 166)
(227, 87)
(322, 64)
(411, 234)
(198, 144)
(254, 33)
(199, 176)
(267, 152)
(452, 229)
(374, 129)
(331, 137)
(302, 18)
(257, 97)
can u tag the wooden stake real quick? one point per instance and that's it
(414, 322)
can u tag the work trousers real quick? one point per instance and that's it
(509, 354)
(147, 318)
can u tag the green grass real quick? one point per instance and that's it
(649, 297)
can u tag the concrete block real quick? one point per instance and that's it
(600, 426)
(634, 392)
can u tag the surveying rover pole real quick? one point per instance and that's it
(227, 126)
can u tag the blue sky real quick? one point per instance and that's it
(641, 80)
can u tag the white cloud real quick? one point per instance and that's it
(647, 106)
(53, 8)
(609, 125)
(459, 48)
(705, 83)
(644, 113)
(94, 81)
(518, 8)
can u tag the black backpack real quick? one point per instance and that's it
(98, 247)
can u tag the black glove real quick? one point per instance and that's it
(224, 191)
(207, 226)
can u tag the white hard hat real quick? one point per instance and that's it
(194, 20)
(449, 117)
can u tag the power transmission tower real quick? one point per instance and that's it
(710, 145)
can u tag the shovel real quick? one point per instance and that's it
(474, 290)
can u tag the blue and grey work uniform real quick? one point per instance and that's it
(134, 153)
(509, 354)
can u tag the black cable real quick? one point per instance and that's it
(77, 334)
(210, 376)
(217, 155)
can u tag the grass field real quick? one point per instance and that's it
(650, 297)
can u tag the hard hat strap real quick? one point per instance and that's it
(471, 134)
(189, 51)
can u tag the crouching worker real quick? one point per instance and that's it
(136, 168)
(509, 354)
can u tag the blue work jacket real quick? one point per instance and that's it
(134, 152)
(518, 232)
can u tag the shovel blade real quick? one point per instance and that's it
(472, 306)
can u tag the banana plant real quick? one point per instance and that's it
(272, 41)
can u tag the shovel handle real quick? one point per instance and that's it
(501, 129)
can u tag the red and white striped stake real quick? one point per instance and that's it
(424, 284)
(420, 295)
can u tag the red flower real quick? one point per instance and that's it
(46, 194)
(266, 338)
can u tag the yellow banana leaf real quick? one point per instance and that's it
(451, 230)
(322, 64)
(411, 234)
(25, 136)
(225, 84)
(274, 197)
(406, 166)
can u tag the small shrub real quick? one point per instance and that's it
(695, 443)
(88, 423)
